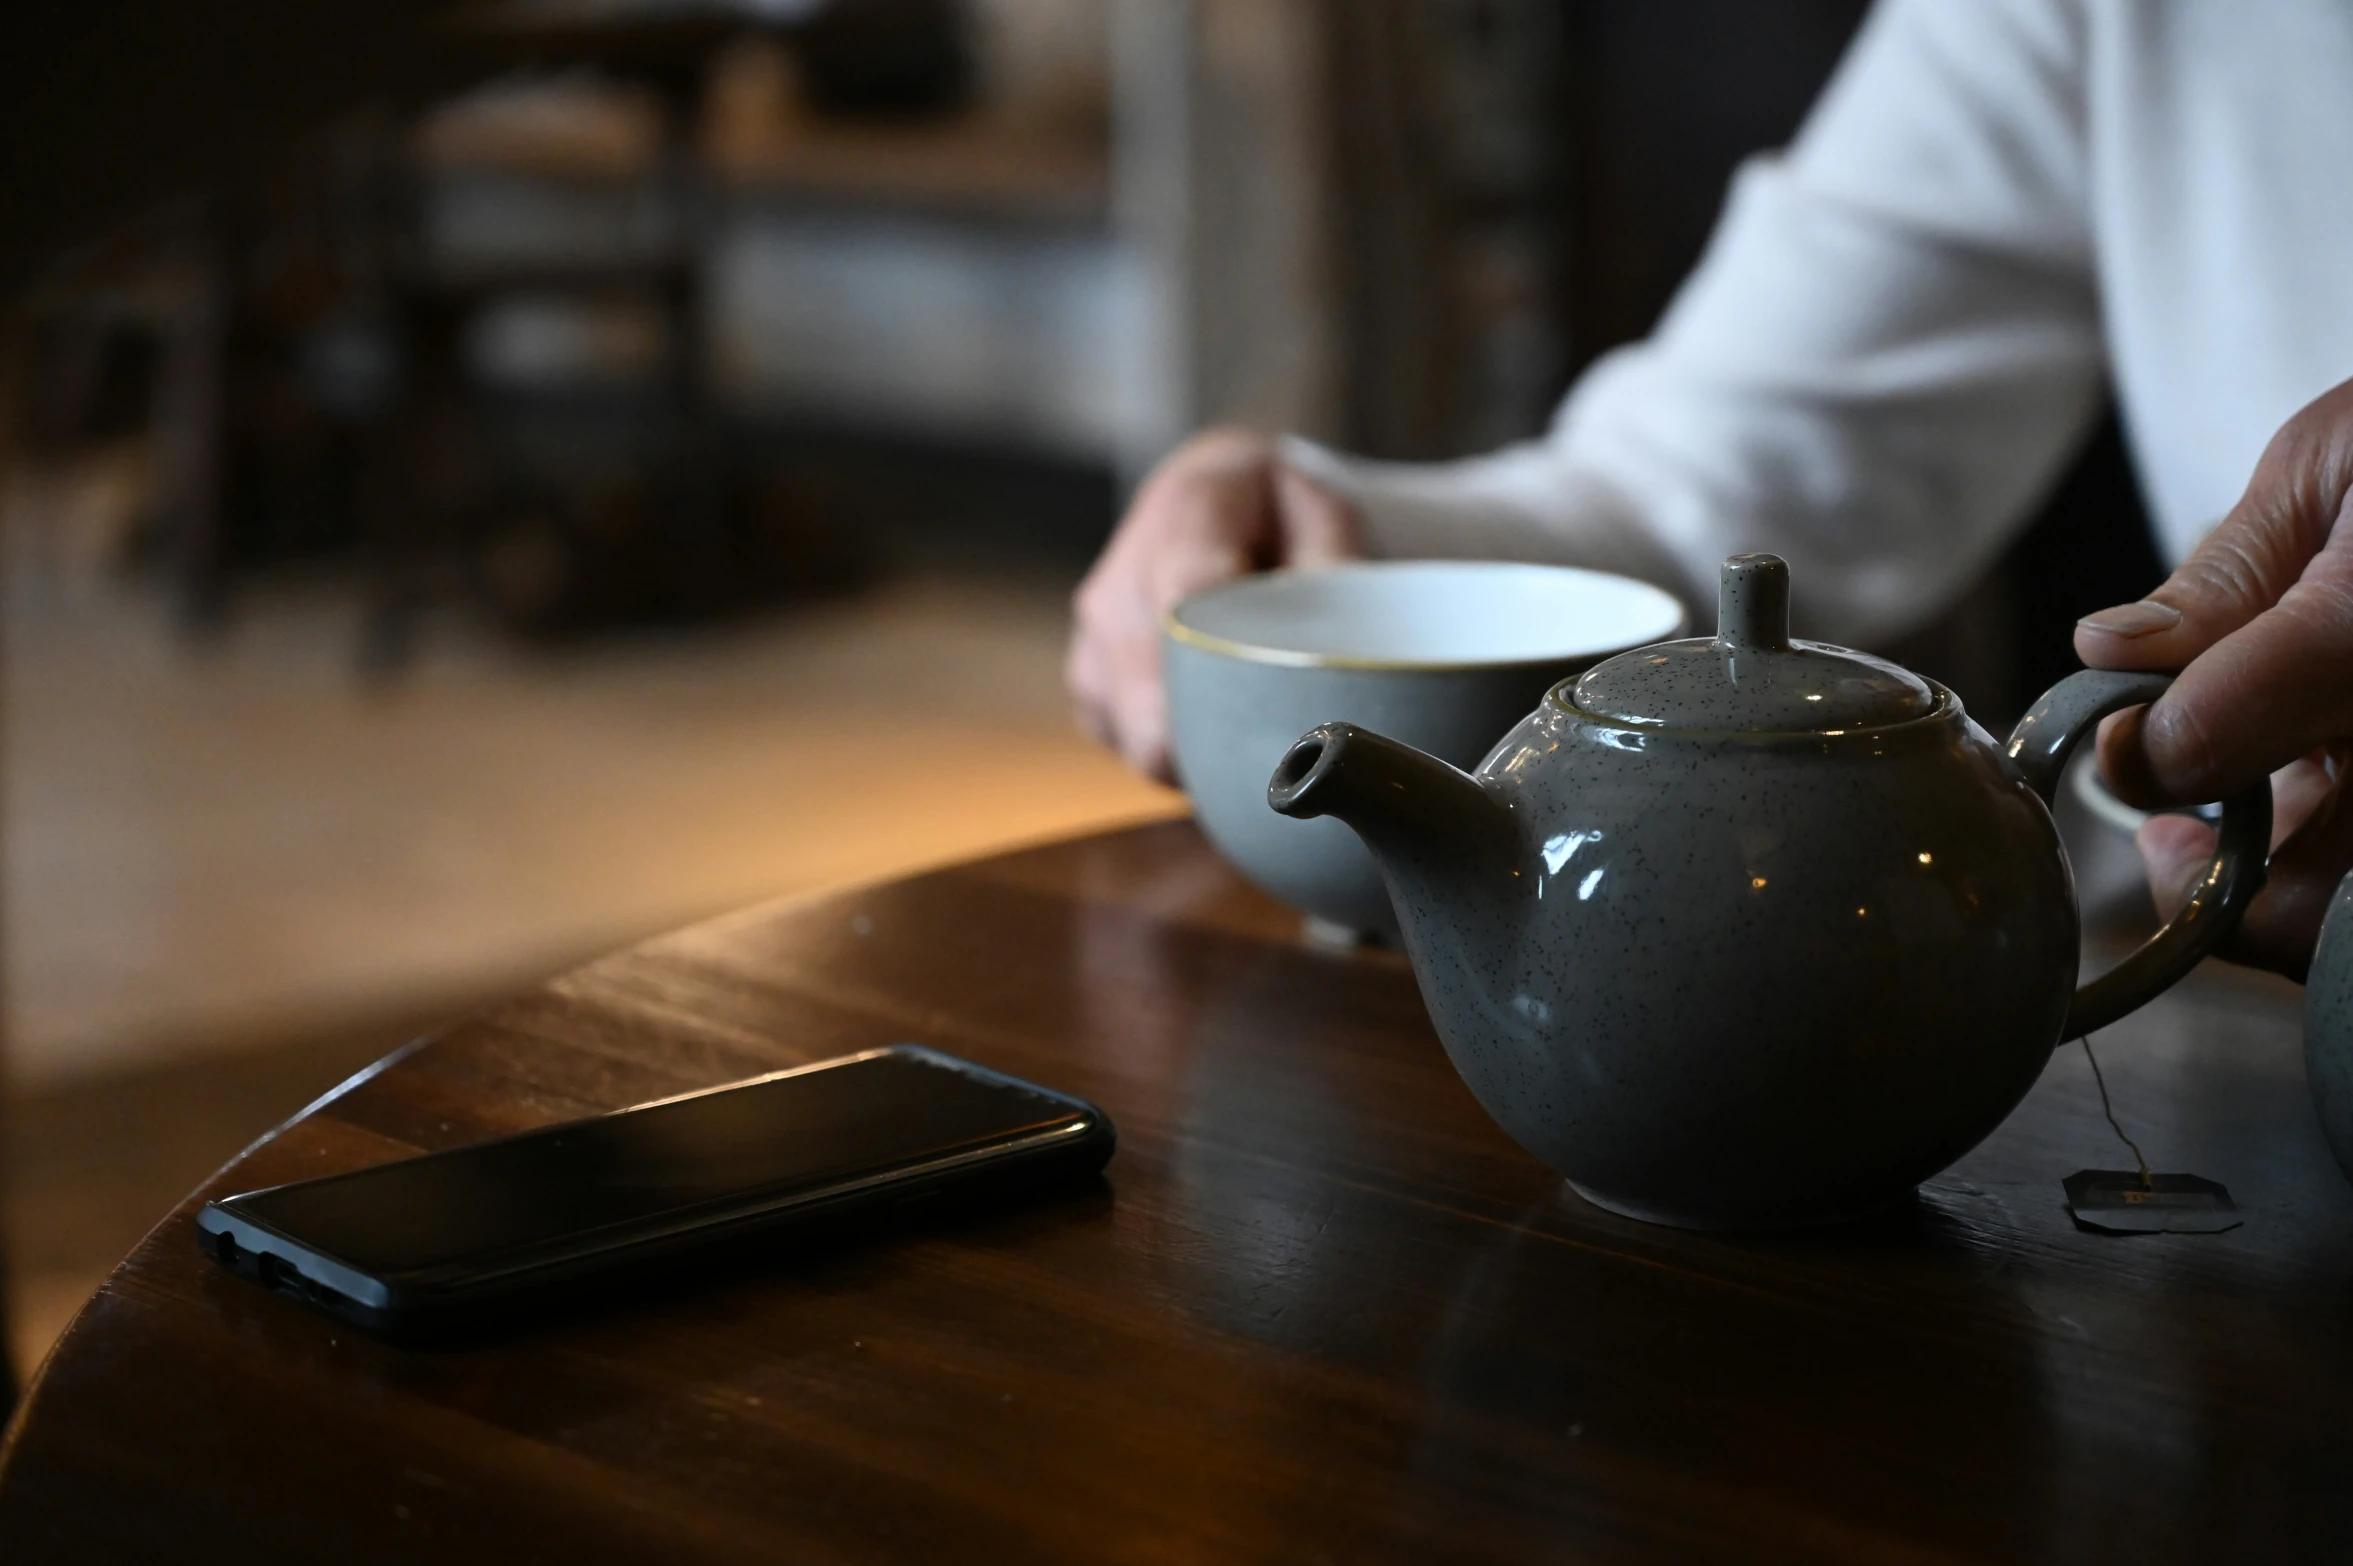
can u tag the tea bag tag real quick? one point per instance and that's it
(2125, 1201)
(2135, 1201)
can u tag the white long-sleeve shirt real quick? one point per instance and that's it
(1900, 330)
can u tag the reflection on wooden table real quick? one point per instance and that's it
(1320, 1309)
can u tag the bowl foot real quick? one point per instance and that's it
(1668, 1220)
(1332, 935)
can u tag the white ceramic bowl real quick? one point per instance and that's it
(1442, 654)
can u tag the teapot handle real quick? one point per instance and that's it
(2040, 746)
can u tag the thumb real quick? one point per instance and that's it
(2312, 850)
(1318, 526)
(2175, 850)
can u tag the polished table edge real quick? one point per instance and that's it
(783, 906)
(2020, 1341)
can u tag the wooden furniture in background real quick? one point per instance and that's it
(1321, 1309)
(107, 106)
(1345, 218)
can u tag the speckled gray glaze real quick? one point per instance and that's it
(1231, 721)
(1719, 971)
(1750, 677)
(2328, 1027)
(1231, 718)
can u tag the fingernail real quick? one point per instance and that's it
(2145, 618)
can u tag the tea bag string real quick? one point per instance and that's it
(2110, 1111)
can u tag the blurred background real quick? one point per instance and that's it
(482, 484)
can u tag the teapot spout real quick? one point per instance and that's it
(1421, 818)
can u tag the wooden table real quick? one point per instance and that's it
(1320, 1311)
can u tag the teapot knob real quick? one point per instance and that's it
(1752, 603)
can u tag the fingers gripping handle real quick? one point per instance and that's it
(2040, 746)
(2068, 712)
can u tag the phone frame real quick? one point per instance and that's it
(462, 1292)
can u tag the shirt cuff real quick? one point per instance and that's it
(1521, 503)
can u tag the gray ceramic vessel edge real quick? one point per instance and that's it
(1231, 718)
(2328, 1027)
(1731, 977)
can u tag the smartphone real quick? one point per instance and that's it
(474, 1233)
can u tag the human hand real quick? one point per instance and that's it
(1219, 506)
(2259, 620)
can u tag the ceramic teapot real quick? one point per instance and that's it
(1747, 932)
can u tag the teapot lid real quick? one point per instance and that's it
(1750, 677)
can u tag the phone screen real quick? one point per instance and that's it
(770, 1138)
